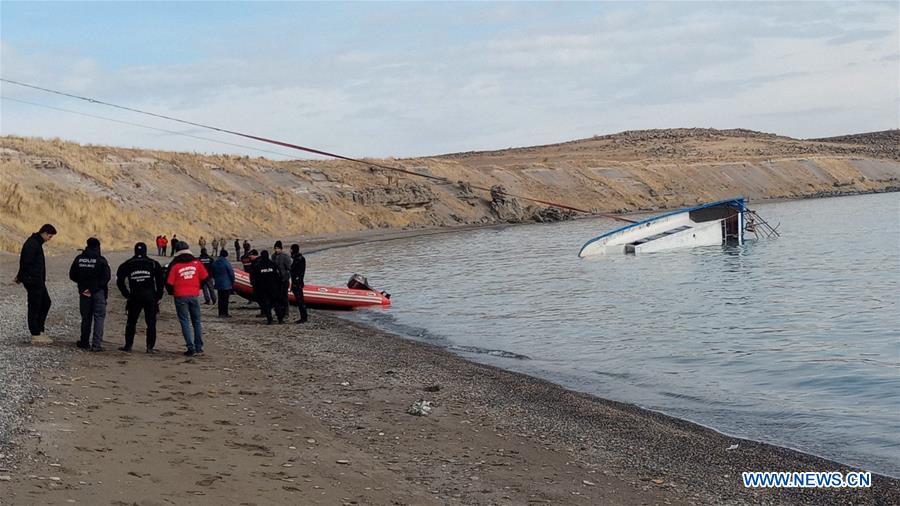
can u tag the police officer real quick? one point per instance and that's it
(143, 292)
(90, 271)
(266, 283)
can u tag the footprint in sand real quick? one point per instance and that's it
(259, 450)
(209, 480)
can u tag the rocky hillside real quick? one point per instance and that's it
(120, 195)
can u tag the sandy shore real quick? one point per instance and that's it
(317, 414)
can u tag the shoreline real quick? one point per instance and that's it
(323, 242)
(342, 389)
(557, 415)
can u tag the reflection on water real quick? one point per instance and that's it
(792, 341)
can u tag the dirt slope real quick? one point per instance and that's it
(107, 192)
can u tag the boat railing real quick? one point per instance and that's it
(753, 222)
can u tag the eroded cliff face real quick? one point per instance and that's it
(122, 195)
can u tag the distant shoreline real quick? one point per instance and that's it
(316, 243)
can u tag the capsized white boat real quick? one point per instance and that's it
(703, 225)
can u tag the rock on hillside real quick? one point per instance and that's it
(122, 195)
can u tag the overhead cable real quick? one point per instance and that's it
(298, 147)
(148, 127)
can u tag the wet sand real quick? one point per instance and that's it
(317, 414)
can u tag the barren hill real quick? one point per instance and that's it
(120, 195)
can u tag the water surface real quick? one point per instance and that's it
(792, 341)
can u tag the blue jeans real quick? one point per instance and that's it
(188, 311)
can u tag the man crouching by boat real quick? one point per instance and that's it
(186, 276)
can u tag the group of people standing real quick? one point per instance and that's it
(162, 243)
(272, 278)
(142, 281)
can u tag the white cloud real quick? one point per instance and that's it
(797, 69)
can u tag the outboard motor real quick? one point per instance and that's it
(359, 282)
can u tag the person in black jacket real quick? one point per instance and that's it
(90, 271)
(208, 287)
(33, 275)
(298, 272)
(143, 292)
(283, 265)
(266, 282)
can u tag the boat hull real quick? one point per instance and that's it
(704, 225)
(321, 297)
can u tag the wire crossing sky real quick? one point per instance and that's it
(407, 79)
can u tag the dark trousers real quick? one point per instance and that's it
(265, 301)
(38, 307)
(298, 295)
(209, 293)
(93, 315)
(281, 301)
(224, 295)
(134, 308)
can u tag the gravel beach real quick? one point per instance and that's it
(21, 365)
(319, 414)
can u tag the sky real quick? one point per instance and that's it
(402, 79)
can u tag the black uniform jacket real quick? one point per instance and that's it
(298, 270)
(145, 279)
(91, 271)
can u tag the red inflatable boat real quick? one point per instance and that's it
(325, 297)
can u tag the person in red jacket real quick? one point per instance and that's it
(186, 276)
(164, 243)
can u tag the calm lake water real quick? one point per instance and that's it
(793, 341)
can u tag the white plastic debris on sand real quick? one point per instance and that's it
(420, 408)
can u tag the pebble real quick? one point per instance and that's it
(21, 364)
(5, 478)
(343, 461)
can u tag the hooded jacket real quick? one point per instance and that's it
(90, 271)
(186, 275)
(32, 269)
(146, 280)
